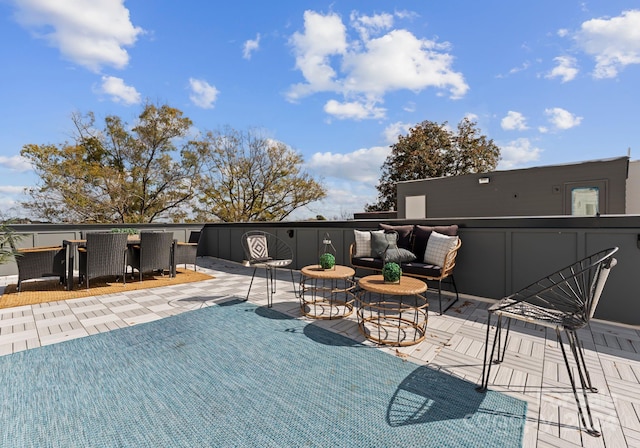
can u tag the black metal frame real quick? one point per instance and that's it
(276, 254)
(565, 301)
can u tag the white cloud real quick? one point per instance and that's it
(354, 110)
(119, 91)
(91, 33)
(202, 93)
(517, 153)
(343, 199)
(16, 163)
(394, 130)
(566, 69)
(250, 46)
(525, 65)
(613, 42)
(365, 69)
(514, 121)
(562, 119)
(362, 165)
(11, 189)
(367, 25)
(324, 36)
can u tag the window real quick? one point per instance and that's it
(415, 207)
(585, 201)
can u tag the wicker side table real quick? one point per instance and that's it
(326, 293)
(392, 313)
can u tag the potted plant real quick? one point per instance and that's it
(391, 272)
(327, 261)
(8, 240)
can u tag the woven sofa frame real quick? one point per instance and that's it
(416, 269)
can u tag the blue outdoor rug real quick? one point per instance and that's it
(239, 376)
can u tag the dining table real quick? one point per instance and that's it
(72, 246)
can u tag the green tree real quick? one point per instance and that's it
(432, 150)
(248, 177)
(118, 174)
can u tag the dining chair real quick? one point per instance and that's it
(104, 254)
(564, 301)
(187, 252)
(39, 262)
(265, 250)
(153, 254)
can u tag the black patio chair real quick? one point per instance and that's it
(186, 253)
(265, 250)
(40, 262)
(104, 254)
(153, 254)
(565, 301)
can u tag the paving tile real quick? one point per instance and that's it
(533, 369)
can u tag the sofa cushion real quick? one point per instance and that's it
(367, 262)
(421, 236)
(438, 247)
(420, 269)
(363, 242)
(405, 234)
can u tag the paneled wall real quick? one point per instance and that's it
(498, 255)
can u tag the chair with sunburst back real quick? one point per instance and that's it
(564, 301)
(265, 250)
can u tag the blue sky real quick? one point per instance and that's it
(550, 82)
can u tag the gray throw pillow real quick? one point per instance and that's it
(381, 242)
(399, 255)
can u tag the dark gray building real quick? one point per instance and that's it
(610, 186)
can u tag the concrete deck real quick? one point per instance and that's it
(533, 369)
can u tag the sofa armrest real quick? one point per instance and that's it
(450, 260)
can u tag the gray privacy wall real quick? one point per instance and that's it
(498, 255)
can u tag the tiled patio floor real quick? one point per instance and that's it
(533, 369)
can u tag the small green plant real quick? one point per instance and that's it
(327, 261)
(8, 240)
(391, 272)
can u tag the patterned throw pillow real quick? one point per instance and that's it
(438, 247)
(363, 242)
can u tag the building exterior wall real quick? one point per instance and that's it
(540, 191)
(633, 188)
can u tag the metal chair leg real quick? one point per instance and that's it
(591, 430)
(453, 282)
(298, 293)
(271, 287)
(580, 350)
(486, 367)
(251, 284)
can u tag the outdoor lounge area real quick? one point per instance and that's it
(431, 399)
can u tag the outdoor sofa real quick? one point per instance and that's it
(425, 252)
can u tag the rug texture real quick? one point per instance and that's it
(235, 375)
(50, 290)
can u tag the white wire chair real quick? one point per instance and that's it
(265, 250)
(565, 301)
